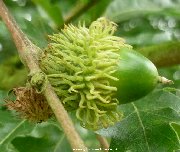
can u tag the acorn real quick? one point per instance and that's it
(29, 105)
(93, 72)
(137, 76)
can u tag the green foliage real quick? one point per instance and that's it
(144, 22)
(13, 75)
(10, 127)
(120, 10)
(45, 137)
(7, 48)
(52, 10)
(150, 124)
(95, 12)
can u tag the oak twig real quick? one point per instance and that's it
(103, 142)
(78, 10)
(165, 54)
(28, 53)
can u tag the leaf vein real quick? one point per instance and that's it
(142, 126)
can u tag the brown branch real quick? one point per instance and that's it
(103, 142)
(23, 44)
(78, 10)
(165, 54)
(64, 120)
(28, 53)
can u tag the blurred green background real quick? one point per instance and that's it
(142, 23)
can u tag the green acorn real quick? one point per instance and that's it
(84, 67)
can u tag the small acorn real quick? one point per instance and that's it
(93, 72)
(30, 105)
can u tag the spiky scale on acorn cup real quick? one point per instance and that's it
(137, 76)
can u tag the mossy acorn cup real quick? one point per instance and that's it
(93, 72)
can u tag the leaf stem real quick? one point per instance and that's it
(78, 10)
(103, 142)
(28, 53)
(12, 132)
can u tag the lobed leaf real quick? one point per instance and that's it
(150, 124)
